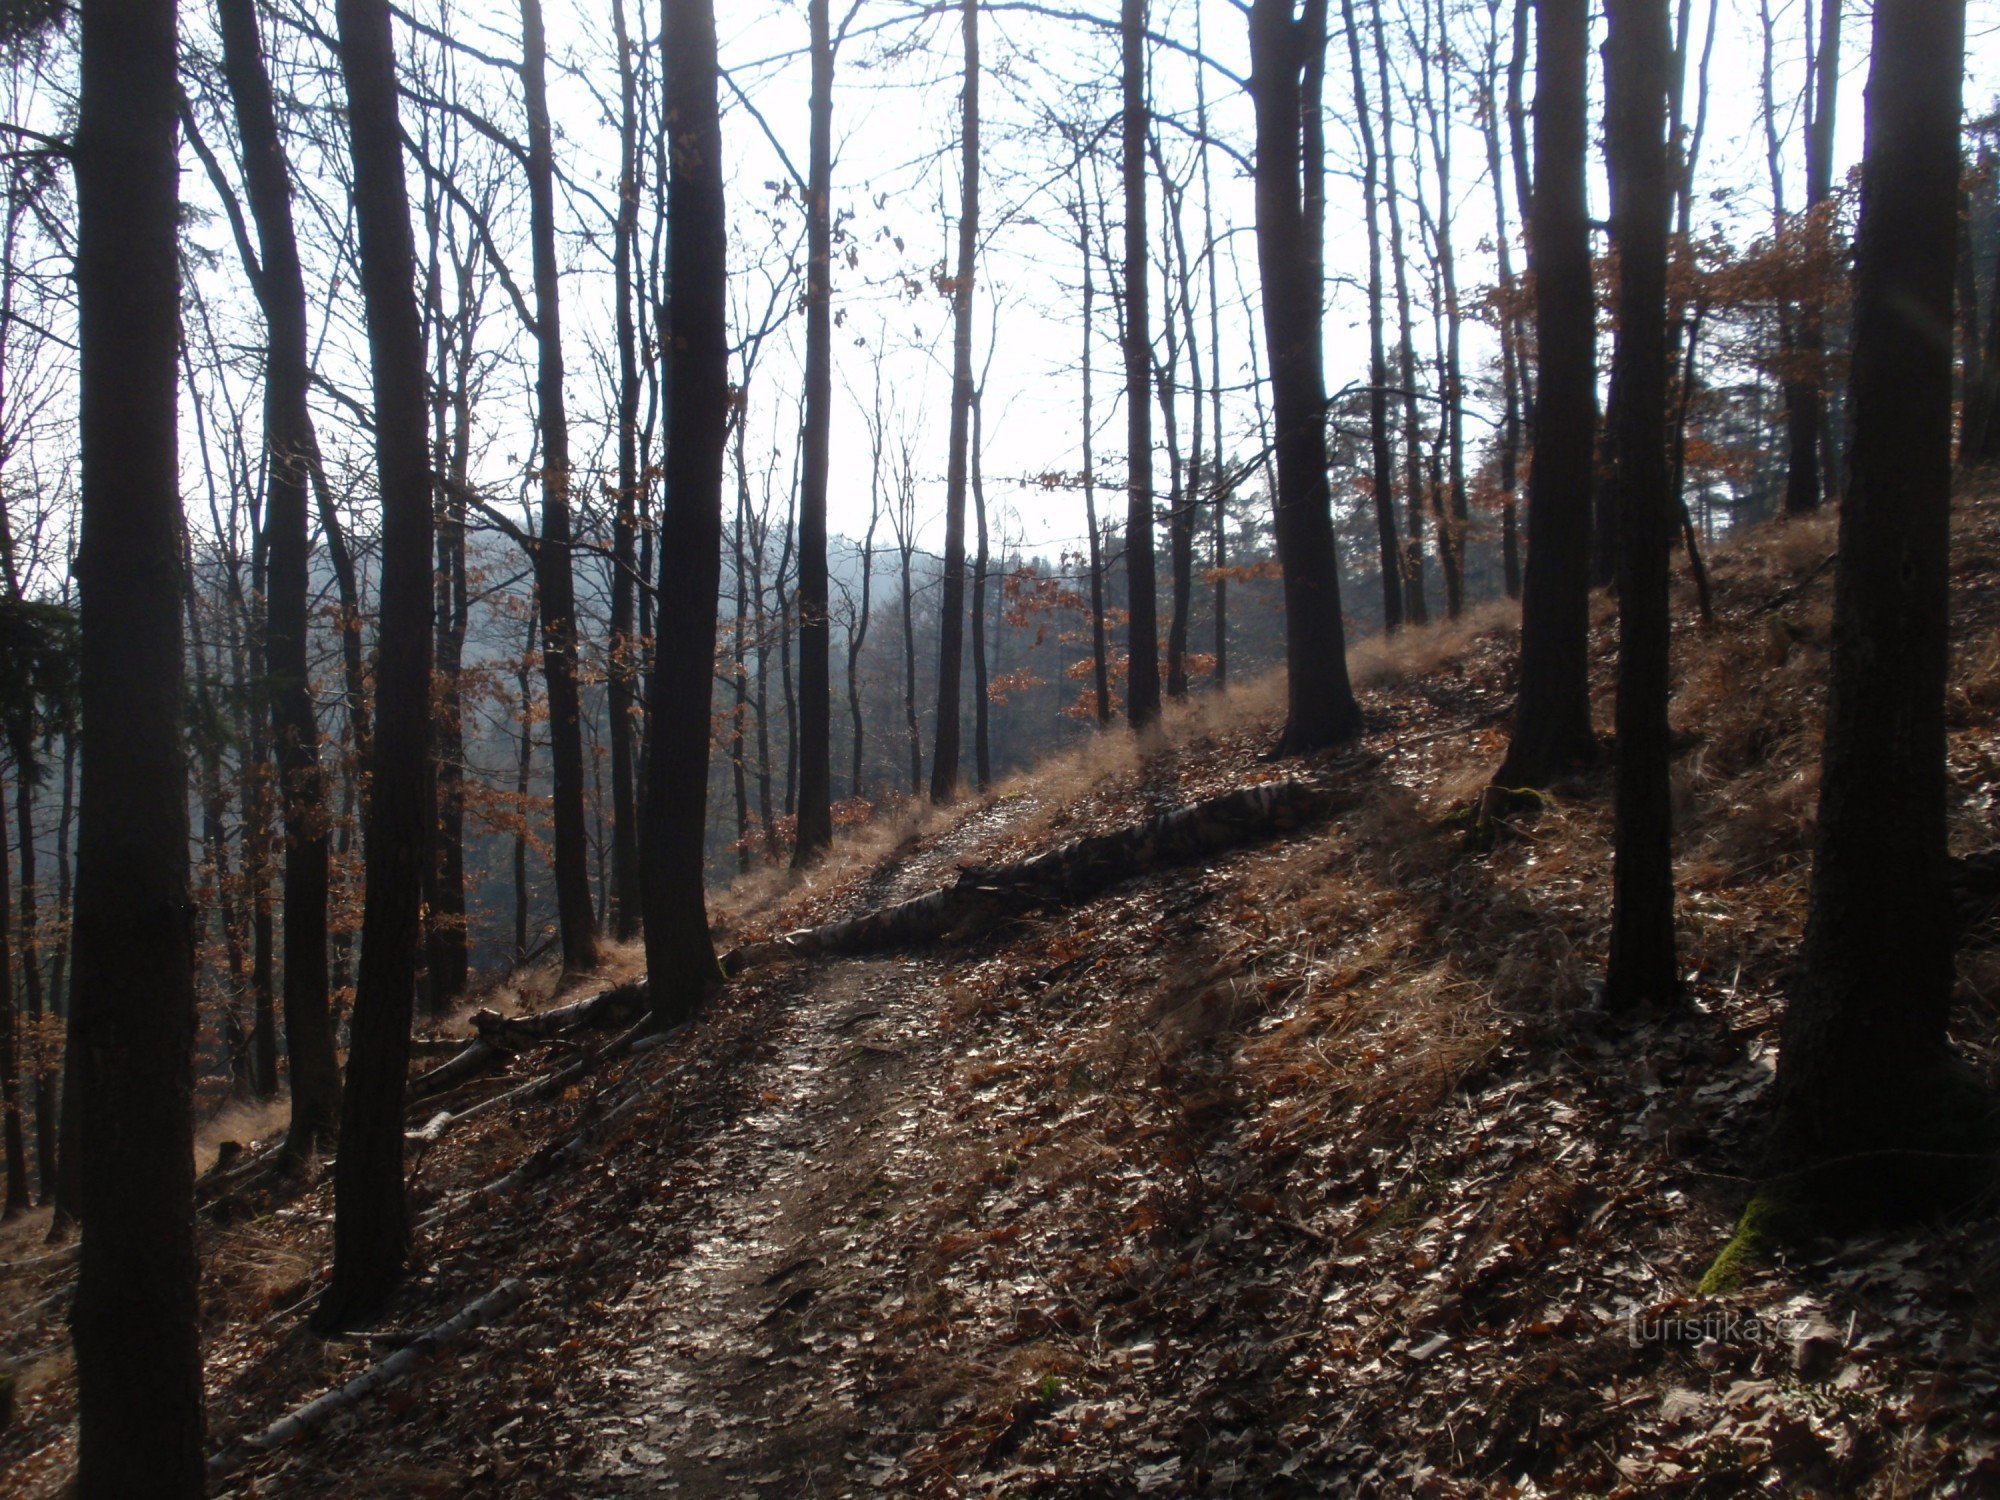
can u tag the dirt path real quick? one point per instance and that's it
(730, 1365)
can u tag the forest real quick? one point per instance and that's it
(946, 747)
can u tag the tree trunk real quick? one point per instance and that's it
(1099, 662)
(951, 596)
(139, 1420)
(1320, 706)
(371, 1228)
(622, 656)
(1552, 733)
(1510, 343)
(1864, 1066)
(815, 758)
(19, 1196)
(1642, 969)
(858, 634)
(1381, 459)
(524, 766)
(982, 749)
(1142, 672)
(555, 575)
(41, 1082)
(315, 1071)
(681, 965)
(1414, 607)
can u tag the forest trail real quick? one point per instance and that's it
(731, 1363)
(731, 1358)
(1304, 1168)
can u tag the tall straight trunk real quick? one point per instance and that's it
(815, 757)
(786, 565)
(982, 748)
(524, 766)
(20, 1196)
(1642, 968)
(1980, 439)
(1452, 529)
(446, 961)
(1166, 382)
(40, 1084)
(1320, 706)
(139, 1420)
(251, 718)
(1099, 660)
(1552, 732)
(1415, 608)
(1810, 442)
(739, 672)
(555, 574)
(289, 442)
(1510, 342)
(951, 596)
(1381, 459)
(1185, 485)
(680, 956)
(1221, 487)
(909, 671)
(1142, 671)
(371, 1224)
(1863, 1071)
(621, 676)
(761, 698)
(858, 635)
(69, 1121)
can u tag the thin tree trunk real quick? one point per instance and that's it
(1222, 488)
(1381, 459)
(371, 1229)
(315, 1072)
(621, 676)
(680, 956)
(555, 575)
(982, 749)
(1510, 342)
(1099, 662)
(1142, 672)
(140, 1427)
(20, 1197)
(815, 759)
(1414, 607)
(858, 635)
(524, 766)
(40, 1084)
(951, 596)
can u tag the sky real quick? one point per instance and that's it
(896, 129)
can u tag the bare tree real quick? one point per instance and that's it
(140, 1428)
(371, 1230)
(681, 966)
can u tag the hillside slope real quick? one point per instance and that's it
(1310, 1168)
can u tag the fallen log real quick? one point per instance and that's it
(616, 1006)
(545, 1087)
(499, 1036)
(984, 896)
(497, 1303)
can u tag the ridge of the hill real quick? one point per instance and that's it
(1309, 1167)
